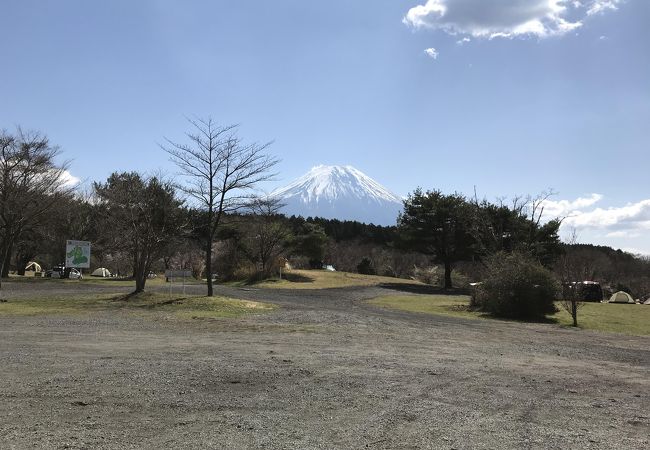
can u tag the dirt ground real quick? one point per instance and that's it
(325, 370)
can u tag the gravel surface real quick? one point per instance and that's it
(325, 370)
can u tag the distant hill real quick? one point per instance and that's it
(340, 192)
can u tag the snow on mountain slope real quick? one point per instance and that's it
(340, 192)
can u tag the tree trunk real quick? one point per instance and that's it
(21, 261)
(135, 266)
(574, 312)
(139, 284)
(3, 252)
(208, 267)
(448, 284)
(141, 270)
(7, 261)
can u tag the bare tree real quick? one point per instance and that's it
(220, 170)
(269, 235)
(571, 298)
(31, 184)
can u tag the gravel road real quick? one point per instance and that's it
(326, 370)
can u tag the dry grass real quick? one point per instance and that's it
(145, 303)
(323, 279)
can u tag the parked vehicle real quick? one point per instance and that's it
(55, 272)
(72, 273)
(64, 272)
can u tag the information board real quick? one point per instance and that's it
(77, 254)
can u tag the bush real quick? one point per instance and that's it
(365, 267)
(518, 287)
(427, 275)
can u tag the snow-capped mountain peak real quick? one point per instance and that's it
(340, 192)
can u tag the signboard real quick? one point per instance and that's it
(77, 254)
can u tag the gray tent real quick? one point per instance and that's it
(101, 272)
(621, 297)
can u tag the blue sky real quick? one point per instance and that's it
(510, 96)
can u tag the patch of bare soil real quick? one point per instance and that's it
(324, 371)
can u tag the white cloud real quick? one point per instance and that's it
(633, 216)
(431, 52)
(463, 41)
(568, 208)
(627, 225)
(601, 6)
(623, 234)
(505, 18)
(69, 180)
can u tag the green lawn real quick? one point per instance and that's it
(612, 317)
(616, 318)
(185, 307)
(446, 305)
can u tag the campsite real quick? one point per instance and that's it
(325, 225)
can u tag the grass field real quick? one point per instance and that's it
(615, 318)
(293, 279)
(323, 279)
(611, 317)
(121, 282)
(185, 307)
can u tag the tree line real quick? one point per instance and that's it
(209, 220)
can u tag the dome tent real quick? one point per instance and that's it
(101, 272)
(621, 297)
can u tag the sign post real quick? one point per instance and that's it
(77, 254)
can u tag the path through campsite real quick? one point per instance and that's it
(324, 370)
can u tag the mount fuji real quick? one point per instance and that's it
(339, 192)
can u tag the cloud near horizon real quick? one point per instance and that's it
(632, 217)
(491, 19)
(567, 208)
(631, 221)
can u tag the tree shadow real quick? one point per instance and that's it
(290, 277)
(146, 300)
(545, 320)
(424, 289)
(297, 278)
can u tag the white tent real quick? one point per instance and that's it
(621, 297)
(101, 272)
(33, 266)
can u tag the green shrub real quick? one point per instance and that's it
(365, 267)
(518, 287)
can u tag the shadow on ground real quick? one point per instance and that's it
(424, 289)
(297, 278)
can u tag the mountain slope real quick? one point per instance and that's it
(340, 192)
